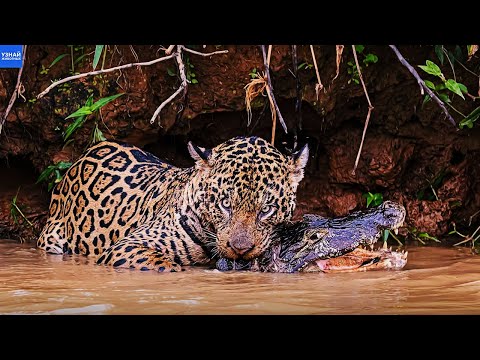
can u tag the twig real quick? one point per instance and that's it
(370, 108)
(270, 91)
(103, 71)
(319, 85)
(15, 92)
(451, 65)
(422, 84)
(169, 50)
(204, 54)
(183, 86)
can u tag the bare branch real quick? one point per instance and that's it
(204, 54)
(183, 86)
(103, 71)
(270, 89)
(370, 108)
(422, 84)
(319, 85)
(15, 92)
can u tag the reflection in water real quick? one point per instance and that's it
(435, 281)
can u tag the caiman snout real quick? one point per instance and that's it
(241, 244)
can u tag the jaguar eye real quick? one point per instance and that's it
(266, 211)
(225, 204)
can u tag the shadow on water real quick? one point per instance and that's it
(435, 280)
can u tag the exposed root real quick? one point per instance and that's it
(16, 93)
(254, 88)
(339, 49)
(318, 85)
(260, 84)
(370, 108)
(271, 97)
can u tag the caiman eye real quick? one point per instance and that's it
(225, 204)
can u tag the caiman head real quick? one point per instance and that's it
(299, 246)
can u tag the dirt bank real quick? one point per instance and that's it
(411, 153)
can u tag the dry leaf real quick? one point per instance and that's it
(472, 49)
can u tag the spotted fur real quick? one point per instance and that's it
(128, 208)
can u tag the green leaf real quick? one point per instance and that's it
(454, 87)
(57, 59)
(426, 99)
(359, 48)
(104, 101)
(45, 174)
(80, 58)
(96, 56)
(377, 199)
(83, 111)
(444, 97)
(370, 58)
(350, 63)
(73, 127)
(170, 72)
(192, 75)
(431, 68)
(430, 84)
(64, 165)
(463, 88)
(194, 81)
(440, 87)
(301, 66)
(386, 233)
(439, 52)
(470, 119)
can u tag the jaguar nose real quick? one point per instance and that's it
(241, 245)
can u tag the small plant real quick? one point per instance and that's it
(305, 65)
(191, 76)
(368, 59)
(373, 199)
(53, 174)
(445, 88)
(429, 192)
(421, 236)
(253, 74)
(84, 112)
(15, 210)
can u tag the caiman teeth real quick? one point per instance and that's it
(395, 231)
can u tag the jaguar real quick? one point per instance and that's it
(128, 208)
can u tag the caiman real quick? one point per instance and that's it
(320, 244)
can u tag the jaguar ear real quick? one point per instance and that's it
(298, 162)
(199, 154)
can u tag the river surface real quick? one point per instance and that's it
(436, 280)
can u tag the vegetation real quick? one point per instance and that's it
(53, 174)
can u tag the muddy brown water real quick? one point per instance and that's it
(436, 280)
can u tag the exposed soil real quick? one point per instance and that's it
(407, 146)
